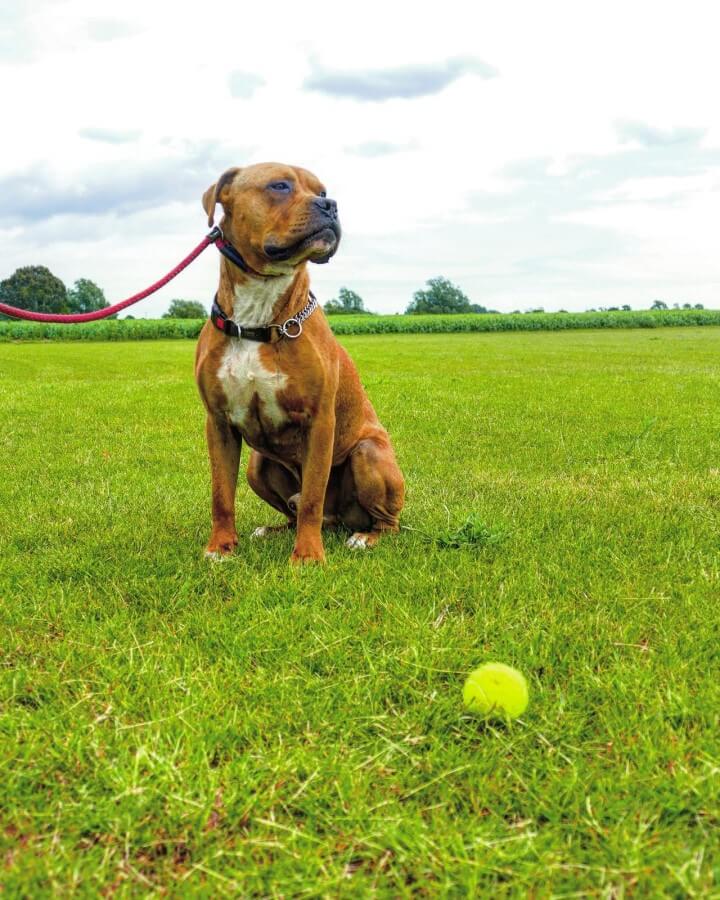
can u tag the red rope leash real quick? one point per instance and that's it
(17, 313)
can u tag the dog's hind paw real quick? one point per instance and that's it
(362, 540)
(266, 530)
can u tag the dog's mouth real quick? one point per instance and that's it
(319, 246)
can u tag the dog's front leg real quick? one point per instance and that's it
(224, 449)
(315, 474)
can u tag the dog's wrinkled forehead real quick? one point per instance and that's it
(263, 175)
(259, 178)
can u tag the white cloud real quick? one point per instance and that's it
(405, 82)
(110, 135)
(106, 29)
(244, 84)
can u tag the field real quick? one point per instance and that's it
(173, 725)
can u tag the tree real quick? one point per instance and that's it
(659, 304)
(348, 302)
(85, 296)
(441, 296)
(626, 307)
(34, 288)
(185, 309)
(699, 306)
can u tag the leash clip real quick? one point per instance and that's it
(215, 234)
(295, 322)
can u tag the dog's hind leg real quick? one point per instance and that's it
(378, 491)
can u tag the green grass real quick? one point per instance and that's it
(154, 329)
(167, 724)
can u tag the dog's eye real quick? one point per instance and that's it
(322, 194)
(282, 187)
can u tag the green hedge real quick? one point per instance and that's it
(152, 329)
(523, 321)
(108, 330)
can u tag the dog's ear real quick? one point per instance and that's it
(214, 194)
(208, 202)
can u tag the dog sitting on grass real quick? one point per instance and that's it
(271, 373)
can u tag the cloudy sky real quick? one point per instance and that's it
(555, 154)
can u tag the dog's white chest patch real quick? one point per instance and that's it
(254, 302)
(248, 384)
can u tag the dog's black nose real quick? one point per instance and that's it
(324, 204)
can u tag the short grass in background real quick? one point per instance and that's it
(248, 729)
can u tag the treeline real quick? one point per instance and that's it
(154, 329)
(35, 288)
(442, 297)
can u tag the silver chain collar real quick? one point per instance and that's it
(296, 322)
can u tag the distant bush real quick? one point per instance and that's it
(348, 303)
(440, 297)
(152, 329)
(35, 288)
(85, 296)
(185, 309)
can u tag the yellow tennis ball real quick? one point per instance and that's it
(496, 691)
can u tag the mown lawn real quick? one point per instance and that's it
(172, 725)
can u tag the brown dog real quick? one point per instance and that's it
(319, 453)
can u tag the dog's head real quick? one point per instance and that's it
(276, 216)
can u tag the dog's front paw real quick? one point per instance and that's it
(221, 546)
(307, 553)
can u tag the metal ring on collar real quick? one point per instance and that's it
(291, 322)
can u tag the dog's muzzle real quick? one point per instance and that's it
(325, 229)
